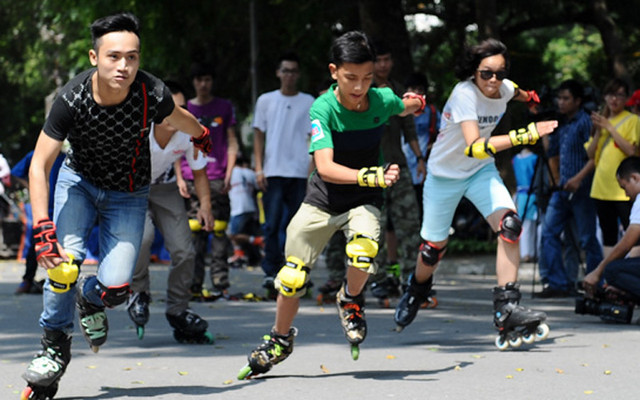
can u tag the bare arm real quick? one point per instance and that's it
(258, 157)
(333, 172)
(602, 122)
(471, 133)
(411, 105)
(203, 191)
(45, 154)
(232, 155)
(182, 184)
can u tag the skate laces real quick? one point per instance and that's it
(93, 324)
(353, 311)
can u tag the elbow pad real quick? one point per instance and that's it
(480, 150)
(524, 136)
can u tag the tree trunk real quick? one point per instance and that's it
(384, 19)
(610, 39)
(486, 12)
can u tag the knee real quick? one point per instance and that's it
(114, 295)
(361, 250)
(292, 278)
(510, 227)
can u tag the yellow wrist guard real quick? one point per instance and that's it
(524, 136)
(372, 177)
(480, 150)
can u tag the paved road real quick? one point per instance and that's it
(447, 353)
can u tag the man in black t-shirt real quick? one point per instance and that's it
(105, 114)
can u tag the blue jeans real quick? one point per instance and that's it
(79, 205)
(281, 201)
(624, 274)
(561, 206)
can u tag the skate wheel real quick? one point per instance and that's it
(26, 393)
(95, 349)
(140, 332)
(529, 338)
(244, 373)
(320, 299)
(501, 343)
(542, 332)
(209, 339)
(355, 352)
(515, 343)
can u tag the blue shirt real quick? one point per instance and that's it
(21, 170)
(568, 143)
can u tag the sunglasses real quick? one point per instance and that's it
(487, 74)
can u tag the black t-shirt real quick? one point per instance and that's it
(109, 145)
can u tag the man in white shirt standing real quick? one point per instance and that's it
(168, 213)
(281, 153)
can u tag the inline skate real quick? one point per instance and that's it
(352, 319)
(138, 309)
(388, 287)
(515, 323)
(328, 291)
(47, 367)
(412, 300)
(93, 319)
(189, 328)
(274, 349)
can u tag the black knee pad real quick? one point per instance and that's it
(430, 253)
(114, 295)
(510, 227)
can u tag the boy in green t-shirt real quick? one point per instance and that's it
(344, 193)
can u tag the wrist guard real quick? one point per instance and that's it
(202, 142)
(372, 176)
(524, 136)
(532, 97)
(480, 150)
(45, 239)
(421, 97)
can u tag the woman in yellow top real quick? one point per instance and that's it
(617, 135)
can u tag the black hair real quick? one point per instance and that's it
(628, 166)
(473, 56)
(574, 87)
(417, 79)
(288, 56)
(614, 85)
(199, 69)
(174, 87)
(381, 47)
(114, 23)
(352, 47)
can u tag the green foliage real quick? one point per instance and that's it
(471, 246)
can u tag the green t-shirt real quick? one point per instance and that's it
(355, 140)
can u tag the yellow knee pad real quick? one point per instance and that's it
(219, 227)
(292, 277)
(62, 277)
(361, 250)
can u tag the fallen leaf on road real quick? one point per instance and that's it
(391, 357)
(607, 372)
(588, 392)
(324, 369)
(227, 382)
(182, 373)
(509, 376)
(519, 369)
(559, 371)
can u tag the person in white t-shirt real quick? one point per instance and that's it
(461, 164)
(619, 272)
(282, 131)
(244, 225)
(167, 212)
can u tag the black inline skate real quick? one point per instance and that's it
(189, 328)
(412, 300)
(93, 319)
(516, 324)
(274, 349)
(47, 367)
(138, 309)
(328, 291)
(351, 314)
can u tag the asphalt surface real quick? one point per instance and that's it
(447, 353)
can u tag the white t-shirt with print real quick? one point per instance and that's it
(162, 159)
(466, 103)
(286, 126)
